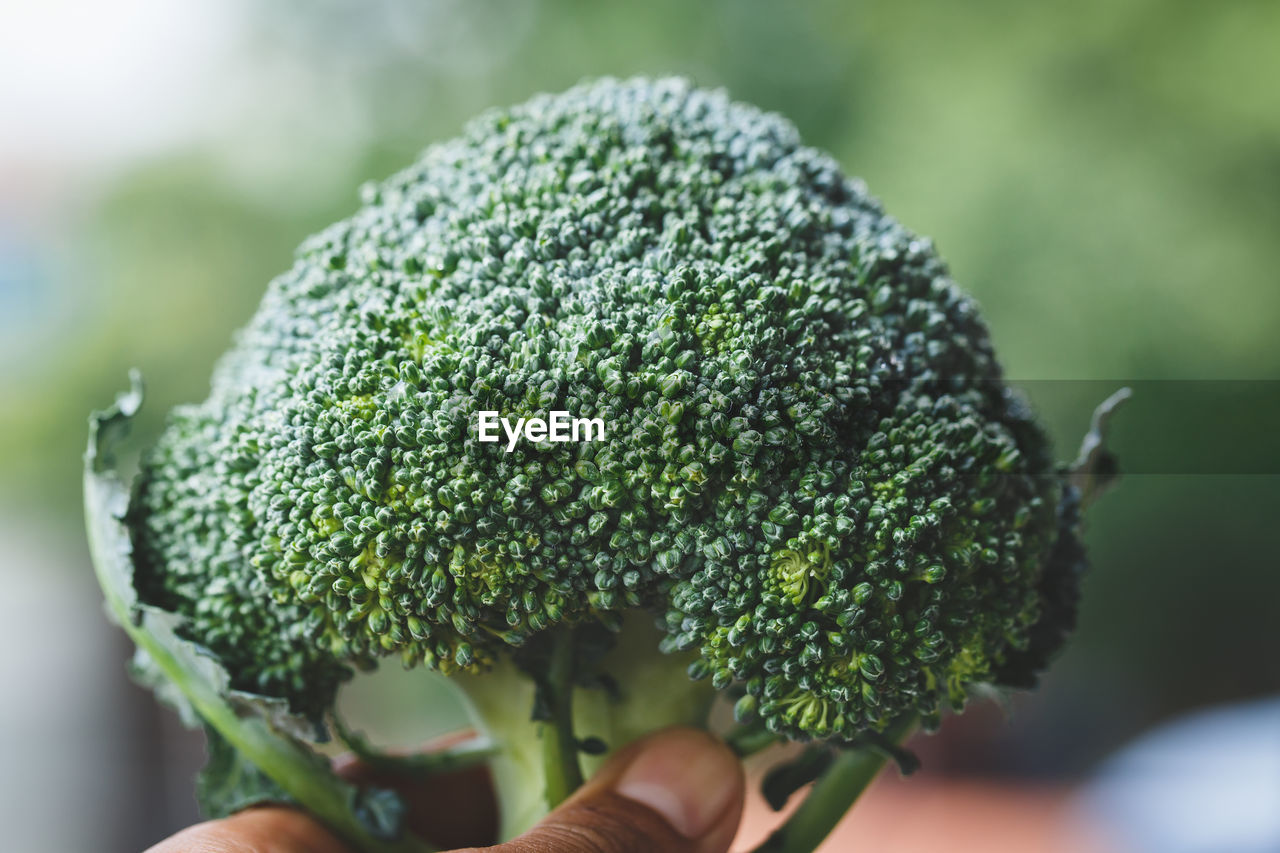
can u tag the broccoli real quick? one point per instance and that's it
(815, 495)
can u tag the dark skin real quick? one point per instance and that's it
(679, 790)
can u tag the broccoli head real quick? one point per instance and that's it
(814, 490)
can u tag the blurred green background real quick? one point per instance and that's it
(1103, 176)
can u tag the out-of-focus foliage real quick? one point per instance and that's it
(1104, 178)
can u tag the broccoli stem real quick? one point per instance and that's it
(653, 692)
(419, 765)
(833, 795)
(746, 741)
(498, 702)
(560, 762)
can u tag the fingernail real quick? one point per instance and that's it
(686, 777)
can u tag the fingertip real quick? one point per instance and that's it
(448, 809)
(260, 830)
(679, 790)
(689, 778)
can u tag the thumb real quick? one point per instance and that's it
(679, 790)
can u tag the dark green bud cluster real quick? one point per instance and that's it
(193, 560)
(883, 581)
(811, 471)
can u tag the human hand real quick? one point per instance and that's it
(679, 790)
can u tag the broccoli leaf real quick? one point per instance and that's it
(1096, 468)
(785, 779)
(256, 729)
(229, 782)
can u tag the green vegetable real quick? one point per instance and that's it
(815, 494)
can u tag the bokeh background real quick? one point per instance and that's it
(1103, 175)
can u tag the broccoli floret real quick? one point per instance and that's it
(192, 561)
(814, 479)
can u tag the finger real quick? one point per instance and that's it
(263, 830)
(448, 809)
(679, 791)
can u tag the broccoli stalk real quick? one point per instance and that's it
(533, 772)
(554, 726)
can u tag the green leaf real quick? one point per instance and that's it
(144, 671)
(788, 777)
(229, 782)
(257, 739)
(835, 789)
(1096, 468)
